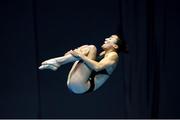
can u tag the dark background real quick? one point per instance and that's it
(144, 85)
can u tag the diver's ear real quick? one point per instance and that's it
(115, 46)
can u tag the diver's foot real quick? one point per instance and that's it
(50, 64)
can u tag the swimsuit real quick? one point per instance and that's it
(92, 76)
(91, 79)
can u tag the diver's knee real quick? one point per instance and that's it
(92, 46)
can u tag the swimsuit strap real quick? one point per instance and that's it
(104, 71)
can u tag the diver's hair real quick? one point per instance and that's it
(122, 45)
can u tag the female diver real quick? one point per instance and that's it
(89, 70)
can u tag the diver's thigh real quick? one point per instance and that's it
(78, 78)
(79, 72)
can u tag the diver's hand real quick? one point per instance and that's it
(75, 54)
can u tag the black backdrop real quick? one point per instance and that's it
(144, 85)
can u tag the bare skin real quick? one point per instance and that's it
(78, 76)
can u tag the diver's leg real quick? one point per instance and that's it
(80, 72)
(83, 49)
(55, 63)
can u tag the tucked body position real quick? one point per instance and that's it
(90, 70)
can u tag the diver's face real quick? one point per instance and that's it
(109, 42)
